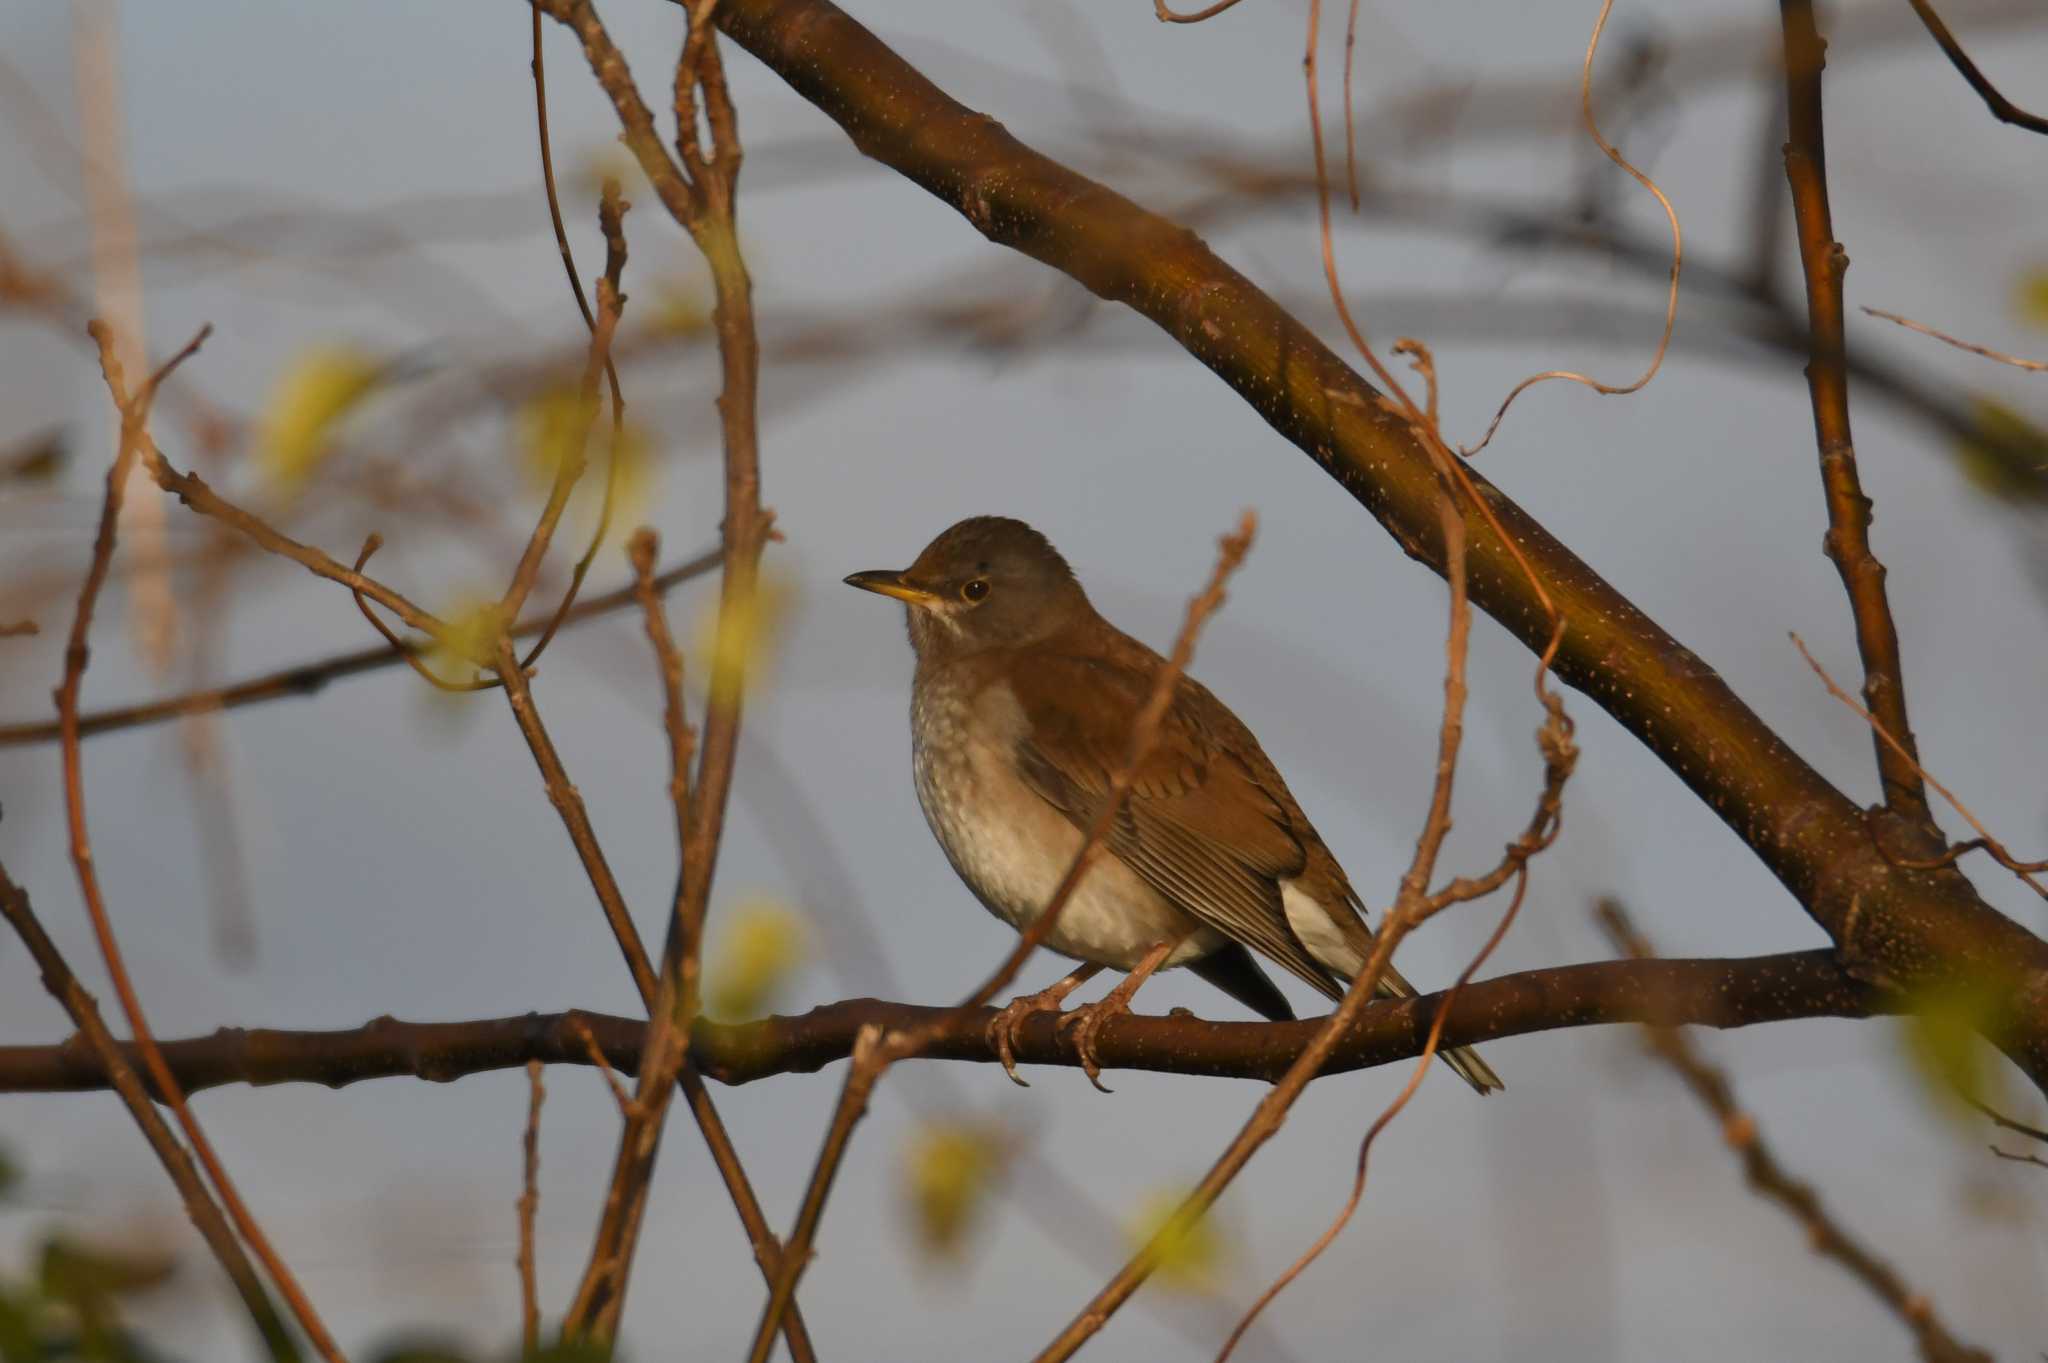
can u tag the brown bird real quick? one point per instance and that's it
(1021, 714)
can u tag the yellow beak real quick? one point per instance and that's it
(890, 583)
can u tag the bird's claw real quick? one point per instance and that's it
(1004, 1026)
(1087, 1021)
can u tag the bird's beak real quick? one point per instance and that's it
(890, 583)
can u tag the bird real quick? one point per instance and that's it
(1022, 708)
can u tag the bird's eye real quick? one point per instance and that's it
(975, 589)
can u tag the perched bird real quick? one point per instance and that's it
(1020, 716)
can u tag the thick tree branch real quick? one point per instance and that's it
(1894, 925)
(1708, 993)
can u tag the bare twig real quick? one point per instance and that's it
(1380, 1123)
(2025, 870)
(644, 549)
(568, 803)
(117, 1071)
(574, 454)
(1773, 1182)
(1999, 1119)
(304, 679)
(528, 1205)
(702, 201)
(1168, 15)
(611, 212)
(412, 659)
(1411, 906)
(135, 444)
(2031, 366)
(580, 1026)
(1613, 154)
(2003, 109)
(1847, 542)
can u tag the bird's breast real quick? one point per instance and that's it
(1011, 847)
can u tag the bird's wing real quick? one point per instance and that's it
(1199, 827)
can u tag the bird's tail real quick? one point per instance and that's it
(1463, 1060)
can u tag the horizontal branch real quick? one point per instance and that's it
(1710, 993)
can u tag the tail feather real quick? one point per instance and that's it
(1463, 1060)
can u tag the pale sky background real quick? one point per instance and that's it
(402, 859)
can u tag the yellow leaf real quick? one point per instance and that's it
(2031, 297)
(762, 945)
(311, 398)
(739, 641)
(949, 1169)
(1190, 1251)
(681, 308)
(473, 629)
(553, 427)
(1942, 1039)
(633, 480)
(2009, 458)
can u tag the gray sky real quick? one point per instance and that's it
(402, 859)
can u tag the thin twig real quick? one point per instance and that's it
(2001, 1120)
(1271, 1112)
(2001, 108)
(611, 212)
(304, 679)
(528, 1206)
(574, 454)
(1613, 154)
(644, 550)
(1167, 15)
(135, 444)
(1773, 1182)
(581, 1028)
(1847, 541)
(703, 203)
(412, 659)
(1380, 1123)
(2031, 366)
(119, 1074)
(568, 803)
(2025, 870)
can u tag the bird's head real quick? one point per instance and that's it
(988, 582)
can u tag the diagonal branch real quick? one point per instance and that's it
(115, 1066)
(136, 444)
(2003, 109)
(1773, 1181)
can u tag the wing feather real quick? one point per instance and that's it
(1198, 827)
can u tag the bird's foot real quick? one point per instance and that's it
(1003, 1028)
(1087, 1022)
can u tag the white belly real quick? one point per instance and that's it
(1011, 848)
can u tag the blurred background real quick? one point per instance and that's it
(335, 184)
